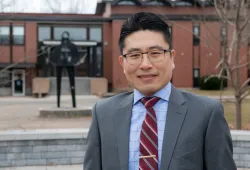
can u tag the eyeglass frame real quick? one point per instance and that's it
(141, 53)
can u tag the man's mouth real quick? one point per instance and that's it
(147, 76)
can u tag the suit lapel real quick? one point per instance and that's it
(122, 120)
(175, 117)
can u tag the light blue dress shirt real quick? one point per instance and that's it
(138, 116)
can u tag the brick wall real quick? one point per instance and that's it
(42, 147)
(241, 144)
(67, 146)
(43, 152)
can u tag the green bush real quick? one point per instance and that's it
(213, 83)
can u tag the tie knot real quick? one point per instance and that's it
(149, 101)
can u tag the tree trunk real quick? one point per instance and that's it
(238, 113)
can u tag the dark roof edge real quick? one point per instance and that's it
(54, 18)
(179, 17)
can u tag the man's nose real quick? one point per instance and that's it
(145, 63)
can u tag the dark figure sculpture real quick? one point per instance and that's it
(66, 56)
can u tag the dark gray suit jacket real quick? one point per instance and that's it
(196, 135)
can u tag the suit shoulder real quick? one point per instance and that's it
(209, 103)
(116, 99)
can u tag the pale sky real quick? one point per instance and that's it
(37, 6)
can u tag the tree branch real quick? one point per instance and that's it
(244, 86)
(231, 47)
(21, 60)
(245, 95)
(218, 76)
(239, 66)
(54, 8)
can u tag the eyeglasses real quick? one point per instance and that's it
(154, 56)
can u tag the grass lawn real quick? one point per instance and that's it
(229, 109)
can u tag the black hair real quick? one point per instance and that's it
(144, 21)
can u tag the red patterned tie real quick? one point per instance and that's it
(149, 137)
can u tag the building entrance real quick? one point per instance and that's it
(18, 82)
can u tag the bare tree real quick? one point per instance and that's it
(8, 6)
(73, 6)
(234, 15)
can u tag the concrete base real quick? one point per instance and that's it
(65, 112)
(82, 86)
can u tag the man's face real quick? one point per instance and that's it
(147, 77)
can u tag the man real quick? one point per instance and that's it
(156, 126)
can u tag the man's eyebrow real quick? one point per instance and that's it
(155, 46)
(150, 48)
(133, 50)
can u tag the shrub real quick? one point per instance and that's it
(213, 83)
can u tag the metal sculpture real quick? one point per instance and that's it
(66, 56)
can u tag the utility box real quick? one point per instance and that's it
(99, 86)
(40, 86)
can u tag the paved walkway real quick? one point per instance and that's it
(23, 112)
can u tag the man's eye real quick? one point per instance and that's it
(155, 52)
(135, 55)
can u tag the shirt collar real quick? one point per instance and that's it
(164, 93)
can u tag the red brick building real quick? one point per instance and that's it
(27, 39)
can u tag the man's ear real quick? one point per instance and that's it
(121, 60)
(172, 54)
(172, 58)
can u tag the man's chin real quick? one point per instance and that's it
(147, 90)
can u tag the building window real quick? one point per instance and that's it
(95, 34)
(126, 2)
(171, 32)
(76, 34)
(249, 39)
(223, 35)
(248, 76)
(182, 3)
(196, 34)
(196, 76)
(98, 61)
(4, 35)
(44, 33)
(154, 3)
(18, 35)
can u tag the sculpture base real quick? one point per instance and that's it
(65, 112)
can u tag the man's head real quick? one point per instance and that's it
(148, 34)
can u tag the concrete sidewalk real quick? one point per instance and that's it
(23, 112)
(65, 167)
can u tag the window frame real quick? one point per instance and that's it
(44, 26)
(69, 26)
(8, 27)
(89, 34)
(196, 39)
(13, 35)
(123, 3)
(223, 35)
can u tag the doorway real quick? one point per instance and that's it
(18, 82)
